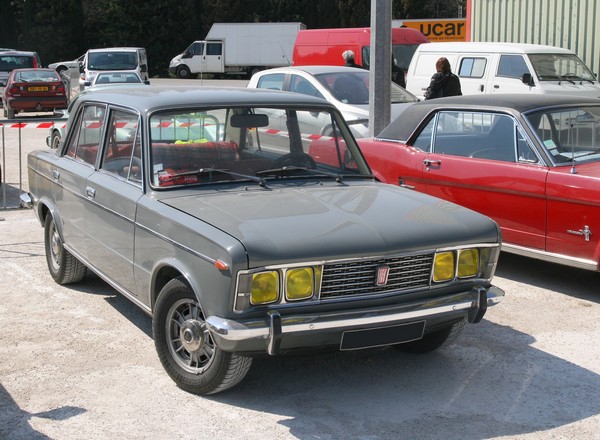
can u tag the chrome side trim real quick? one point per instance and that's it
(550, 257)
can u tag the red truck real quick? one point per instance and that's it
(325, 46)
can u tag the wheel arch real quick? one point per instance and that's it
(166, 272)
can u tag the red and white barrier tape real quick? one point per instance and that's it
(45, 125)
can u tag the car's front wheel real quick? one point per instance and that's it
(63, 266)
(183, 72)
(433, 341)
(185, 345)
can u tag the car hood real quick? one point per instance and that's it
(327, 221)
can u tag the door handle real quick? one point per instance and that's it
(403, 184)
(56, 174)
(91, 192)
(432, 163)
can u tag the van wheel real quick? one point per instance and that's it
(183, 72)
(253, 70)
(185, 345)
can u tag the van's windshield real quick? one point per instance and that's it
(560, 67)
(112, 61)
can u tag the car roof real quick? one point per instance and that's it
(483, 47)
(19, 53)
(405, 124)
(148, 98)
(313, 70)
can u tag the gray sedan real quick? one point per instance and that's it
(242, 235)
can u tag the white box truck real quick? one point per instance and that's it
(238, 48)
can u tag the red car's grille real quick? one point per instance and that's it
(360, 277)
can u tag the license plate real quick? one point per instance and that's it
(377, 337)
(37, 89)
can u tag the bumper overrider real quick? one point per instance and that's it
(351, 329)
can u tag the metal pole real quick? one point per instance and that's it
(3, 169)
(380, 76)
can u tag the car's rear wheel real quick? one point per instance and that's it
(185, 345)
(435, 340)
(63, 266)
(10, 114)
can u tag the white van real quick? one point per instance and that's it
(504, 68)
(113, 58)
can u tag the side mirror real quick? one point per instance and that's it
(527, 79)
(186, 54)
(143, 68)
(87, 83)
(81, 68)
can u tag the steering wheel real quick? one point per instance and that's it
(120, 166)
(295, 159)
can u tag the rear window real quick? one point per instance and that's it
(11, 62)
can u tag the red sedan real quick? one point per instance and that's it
(33, 90)
(531, 162)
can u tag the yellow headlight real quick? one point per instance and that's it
(443, 267)
(265, 288)
(299, 283)
(468, 263)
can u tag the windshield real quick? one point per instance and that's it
(112, 61)
(557, 67)
(352, 87)
(251, 145)
(569, 134)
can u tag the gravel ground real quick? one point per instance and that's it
(79, 362)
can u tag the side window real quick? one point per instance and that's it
(472, 67)
(123, 145)
(476, 135)
(197, 48)
(512, 66)
(85, 142)
(214, 48)
(273, 82)
(301, 85)
(423, 140)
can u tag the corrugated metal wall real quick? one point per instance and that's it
(571, 24)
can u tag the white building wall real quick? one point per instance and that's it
(572, 24)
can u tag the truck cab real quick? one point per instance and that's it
(201, 56)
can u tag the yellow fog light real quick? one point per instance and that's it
(265, 288)
(299, 283)
(468, 263)
(443, 266)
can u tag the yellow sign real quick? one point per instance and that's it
(440, 30)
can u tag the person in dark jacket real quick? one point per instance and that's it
(443, 82)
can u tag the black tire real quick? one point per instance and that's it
(185, 345)
(435, 340)
(10, 114)
(63, 267)
(252, 71)
(183, 72)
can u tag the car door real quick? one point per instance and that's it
(113, 192)
(508, 77)
(71, 173)
(473, 71)
(484, 161)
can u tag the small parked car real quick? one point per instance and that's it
(115, 77)
(213, 218)
(345, 87)
(33, 90)
(62, 66)
(530, 162)
(16, 59)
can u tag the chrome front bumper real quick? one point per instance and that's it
(267, 334)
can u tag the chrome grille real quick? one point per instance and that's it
(358, 277)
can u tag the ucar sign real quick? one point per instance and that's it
(437, 29)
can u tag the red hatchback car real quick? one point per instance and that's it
(33, 90)
(530, 162)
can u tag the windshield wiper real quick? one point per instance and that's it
(209, 171)
(291, 169)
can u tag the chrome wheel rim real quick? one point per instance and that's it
(188, 338)
(55, 247)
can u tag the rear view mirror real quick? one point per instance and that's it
(249, 121)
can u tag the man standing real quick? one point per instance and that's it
(443, 82)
